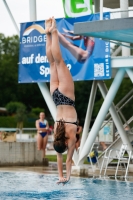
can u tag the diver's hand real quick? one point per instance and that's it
(62, 180)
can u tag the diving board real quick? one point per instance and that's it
(114, 29)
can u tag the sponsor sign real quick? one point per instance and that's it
(87, 58)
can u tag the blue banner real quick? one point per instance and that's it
(87, 58)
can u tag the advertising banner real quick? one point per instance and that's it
(87, 58)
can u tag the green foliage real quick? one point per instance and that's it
(8, 121)
(53, 158)
(14, 107)
(10, 89)
(9, 48)
(82, 93)
(131, 49)
(19, 109)
(37, 110)
(21, 114)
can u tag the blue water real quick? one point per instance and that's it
(29, 185)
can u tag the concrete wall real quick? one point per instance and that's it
(19, 154)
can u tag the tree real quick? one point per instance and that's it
(10, 89)
(21, 116)
(9, 49)
(19, 110)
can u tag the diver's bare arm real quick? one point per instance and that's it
(80, 129)
(69, 161)
(60, 166)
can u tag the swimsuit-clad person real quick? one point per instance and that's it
(62, 91)
(42, 127)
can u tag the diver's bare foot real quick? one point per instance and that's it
(53, 26)
(48, 24)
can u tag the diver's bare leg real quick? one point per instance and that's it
(62, 70)
(54, 82)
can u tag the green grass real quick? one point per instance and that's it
(53, 158)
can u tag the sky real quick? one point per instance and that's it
(20, 12)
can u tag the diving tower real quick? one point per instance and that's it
(117, 31)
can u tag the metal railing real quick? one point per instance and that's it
(25, 134)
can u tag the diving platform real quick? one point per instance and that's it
(113, 29)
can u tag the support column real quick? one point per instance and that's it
(102, 113)
(124, 6)
(32, 10)
(96, 6)
(101, 9)
(48, 99)
(130, 73)
(43, 87)
(115, 117)
(87, 121)
(88, 114)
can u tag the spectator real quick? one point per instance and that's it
(42, 133)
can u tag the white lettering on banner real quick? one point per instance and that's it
(68, 9)
(41, 59)
(38, 59)
(34, 39)
(28, 60)
(44, 70)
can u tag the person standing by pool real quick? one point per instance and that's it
(42, 127)
(62, 91)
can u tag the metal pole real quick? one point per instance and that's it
(130, 73)
(88, 114)
(96, 6)
(101, 9)
(124, 6)
(12, 18)
(102, 113)
(32, 10)
(49, 101)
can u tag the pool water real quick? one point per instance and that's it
(30, 185)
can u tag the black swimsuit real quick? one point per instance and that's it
(60, 99)
(75, 123)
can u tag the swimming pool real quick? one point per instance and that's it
(30, 185)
